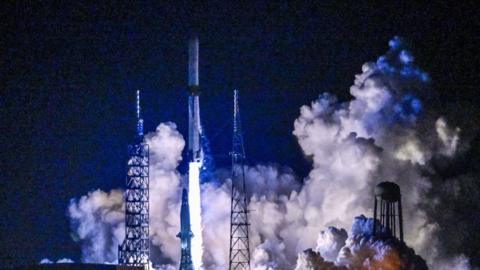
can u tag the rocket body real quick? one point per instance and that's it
(194, 125)
(195, 154)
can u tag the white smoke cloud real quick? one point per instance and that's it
(45, 261)
(311, 260)
(384, 114)
(381, 134)
(97, 220)
(63, 260)
(449, 138)
(166, 146)
(330, 242)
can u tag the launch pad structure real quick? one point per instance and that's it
(135, 249)
(239, 241)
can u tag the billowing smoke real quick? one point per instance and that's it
(383, 133)
(361, 250)
(97, 220)
(63, 260)
(166, 146)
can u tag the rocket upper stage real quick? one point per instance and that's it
(193, 84)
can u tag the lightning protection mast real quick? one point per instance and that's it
(239, 242)
(135, 249)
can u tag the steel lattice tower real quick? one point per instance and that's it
(135, 249)
(239, 242)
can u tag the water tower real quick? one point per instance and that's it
(388, 210)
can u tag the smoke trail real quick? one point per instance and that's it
(195, 212)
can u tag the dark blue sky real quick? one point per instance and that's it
(69, 75)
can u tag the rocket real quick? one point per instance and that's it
(195, 152)
(185, 234)
(195, 155)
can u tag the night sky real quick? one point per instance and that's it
(69, 75)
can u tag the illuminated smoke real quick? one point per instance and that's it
(195, 212)
(97, 221)
(166, 146)
(383, 133)
(360, 251)
(63, 260)
(45, 261)
(311, 260)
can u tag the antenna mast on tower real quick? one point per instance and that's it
(239, 242)
(135, 249)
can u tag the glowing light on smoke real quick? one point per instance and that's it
(195, 212)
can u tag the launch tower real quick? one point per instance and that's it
(239, 242)
(135, 249)
(388, 209)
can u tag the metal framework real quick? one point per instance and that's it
(135, 249)
(239, 242)
(388, 208)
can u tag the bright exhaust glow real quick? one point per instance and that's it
(195, 212)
